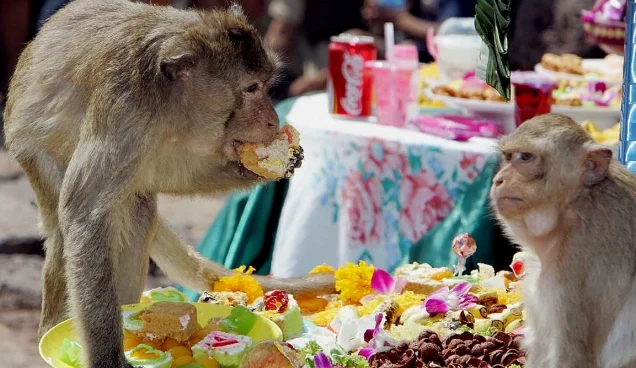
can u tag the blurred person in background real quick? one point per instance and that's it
(414, 22)
(548, 26)
(300, 30)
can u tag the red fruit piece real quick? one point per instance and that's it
(276, 300)
(290, 137)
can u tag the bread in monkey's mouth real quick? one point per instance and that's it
(275, 160)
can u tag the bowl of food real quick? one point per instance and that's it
(574, 68)
(164, 334)
(581, 100)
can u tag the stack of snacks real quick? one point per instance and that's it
(501, 350)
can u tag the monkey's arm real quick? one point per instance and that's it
(186, 266)
(92, 198)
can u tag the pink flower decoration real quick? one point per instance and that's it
(361, 201)
(444, 299)
(425, 202)
(321, 360)
(383, 283)
(378, 340)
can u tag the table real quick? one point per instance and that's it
(371, 192)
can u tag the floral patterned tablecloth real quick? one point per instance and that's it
(365, 191)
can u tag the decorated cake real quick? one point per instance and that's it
(225, 348)
(275, 160)
(163, 294)
(169, 319)
(282, 309)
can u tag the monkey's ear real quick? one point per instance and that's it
(179, 66)
(597, 161)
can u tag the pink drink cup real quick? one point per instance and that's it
(391, 88)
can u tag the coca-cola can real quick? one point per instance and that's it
(349, 87)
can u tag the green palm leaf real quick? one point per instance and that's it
(492, 22)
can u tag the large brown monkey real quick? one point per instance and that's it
(112, 103)
(565, 200)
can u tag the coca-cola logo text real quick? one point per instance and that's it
(352, 70)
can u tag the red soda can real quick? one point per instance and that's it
(349, 87)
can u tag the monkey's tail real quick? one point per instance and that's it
(311, 285)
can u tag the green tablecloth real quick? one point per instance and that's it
(245, 229)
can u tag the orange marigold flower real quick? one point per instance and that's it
(241, 281)
(354, 281)
(323, 268)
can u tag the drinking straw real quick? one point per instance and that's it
(389, 40)
(627, 147)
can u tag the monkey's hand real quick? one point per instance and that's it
(295, 162)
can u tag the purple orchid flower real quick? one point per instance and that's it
(445, 299)
(383, 283)
(321, 360)
(377, 338)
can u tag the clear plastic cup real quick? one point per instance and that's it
(532, 95)
(391, 89)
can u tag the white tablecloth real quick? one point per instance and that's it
(366, 191)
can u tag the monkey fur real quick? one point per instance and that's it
(116, 101)
(566, 202)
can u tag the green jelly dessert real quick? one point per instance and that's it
(145, 356)
(70, 353)
(227, 349)
(132, 320)
(240, 320)
(166, 294)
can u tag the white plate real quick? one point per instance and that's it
(588, 64)
(503, 112)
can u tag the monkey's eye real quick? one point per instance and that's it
(524, 156)
(252, 88)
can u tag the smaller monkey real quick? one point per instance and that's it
(565, 201)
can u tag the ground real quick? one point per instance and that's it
(21, 259)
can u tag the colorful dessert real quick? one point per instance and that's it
(275, 160)
(271, 354)
(132, 320)
(145, 356)
(425, 279)
(165, 294)
(240, 320)
(227, 349)
(227, 298)
(168, 319)
(282, 309)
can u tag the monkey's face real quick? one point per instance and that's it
(518, 182)
(219, 72)
(545, 165)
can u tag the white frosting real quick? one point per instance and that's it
(275, 156)
(243, 342)
(416, 270)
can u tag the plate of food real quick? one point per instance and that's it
(163, 334)
(581, 100)
(572, 67)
